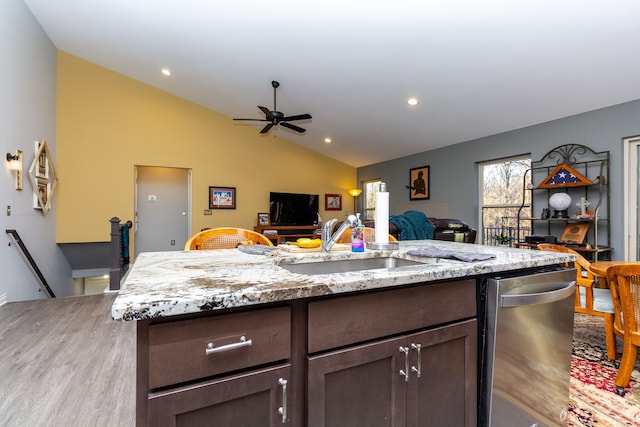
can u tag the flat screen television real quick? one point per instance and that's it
(293, 208)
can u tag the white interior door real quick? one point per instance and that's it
(162, 221)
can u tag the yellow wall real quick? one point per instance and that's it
(108, 123)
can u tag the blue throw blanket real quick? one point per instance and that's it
(413, 225)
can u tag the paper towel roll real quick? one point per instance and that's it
(382, 216)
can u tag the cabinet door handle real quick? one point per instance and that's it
(283, 409)
(418, 349)
(405, 372)
(244, 342)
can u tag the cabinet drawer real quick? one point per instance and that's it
(178, 350)
(348, 320)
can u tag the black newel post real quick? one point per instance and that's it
(114, 263)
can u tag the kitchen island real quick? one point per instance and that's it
(242, 339)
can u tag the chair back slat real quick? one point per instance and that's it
(624, 281)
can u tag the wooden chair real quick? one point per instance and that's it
(590, 299)
(369, 236)
(224, 238)
(624, 282)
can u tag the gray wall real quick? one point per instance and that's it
(454, 169)
(27, 114)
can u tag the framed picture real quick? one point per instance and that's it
(574, 234)
(42, 175)
(419, 183)
(333, 202)
(263, 219)
(222, 197)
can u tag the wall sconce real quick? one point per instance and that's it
(14, 163)
(355, 192)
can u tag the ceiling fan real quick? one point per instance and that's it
(276, 117)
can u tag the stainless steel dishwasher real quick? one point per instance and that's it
(527, 355)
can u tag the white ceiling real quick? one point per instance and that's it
(478, 67)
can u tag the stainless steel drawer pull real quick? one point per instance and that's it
(418, 349)
(283, 409)
(405, 372)
(244, 342)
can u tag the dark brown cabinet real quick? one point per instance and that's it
(359, 386)
(218, 370)
(397, 357)
(423, 379)
(444, 394)
(254, 399)
(288, 232)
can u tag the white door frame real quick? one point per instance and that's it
(188, 211)
(630, 197)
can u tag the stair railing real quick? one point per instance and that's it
(32, 263)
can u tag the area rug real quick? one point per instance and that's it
(593, 401)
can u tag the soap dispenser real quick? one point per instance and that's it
(357, 236)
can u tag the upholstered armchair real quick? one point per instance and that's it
(454, 230)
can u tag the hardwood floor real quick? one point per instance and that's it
(65, 362)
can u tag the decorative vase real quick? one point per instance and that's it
(560, 202)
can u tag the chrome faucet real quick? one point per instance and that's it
(327, 239)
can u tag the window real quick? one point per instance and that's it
(369, 197)
(501, 188)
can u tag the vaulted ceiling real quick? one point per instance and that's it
(477, 67)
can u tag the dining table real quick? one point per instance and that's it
(599, 268)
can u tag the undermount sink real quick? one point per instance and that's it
(347, 265)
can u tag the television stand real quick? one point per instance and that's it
(288, 232)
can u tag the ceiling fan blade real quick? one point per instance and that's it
(292, 127)
(267, 128)
(255, 120)
(266, 112)
(298, 117)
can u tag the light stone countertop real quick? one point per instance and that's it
(163, 284)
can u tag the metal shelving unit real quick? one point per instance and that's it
(592, 165)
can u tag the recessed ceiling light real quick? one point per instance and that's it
(412, 101)
(166, 71)
(327, 140)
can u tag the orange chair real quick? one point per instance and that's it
(624, 282)
(224, 238)
(369, 236)
(590, 300)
